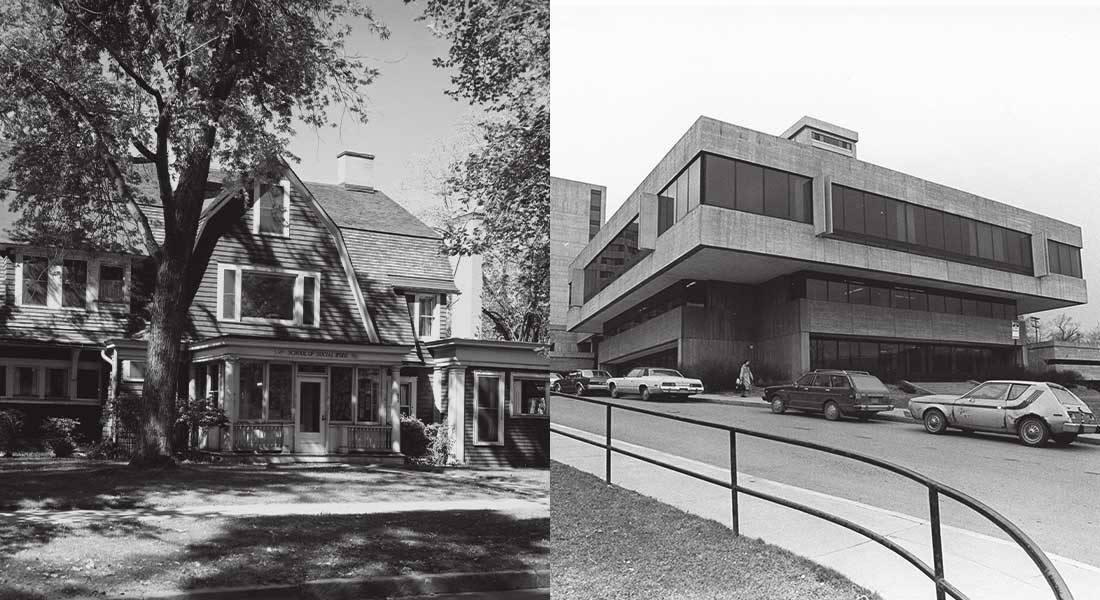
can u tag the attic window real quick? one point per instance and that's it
(828, 139)
(271, 213)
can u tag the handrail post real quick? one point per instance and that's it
(733, 481)
(937, 543)
(607, 448)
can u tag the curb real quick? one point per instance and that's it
(902, 418)
(373, 588)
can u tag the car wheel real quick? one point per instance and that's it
(1064, 439)
(779, 405)
(580, 389)
(644, 391)
(613, 390)
(1033, 432)
(555, 387)
(832, 411)
(934, 421)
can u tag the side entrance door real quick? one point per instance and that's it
(310, 416)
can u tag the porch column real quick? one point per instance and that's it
(395, 409)
(230, 393)
(456, 410)
(74, 364)
(191, 381)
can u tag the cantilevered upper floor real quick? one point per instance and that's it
(732, 204)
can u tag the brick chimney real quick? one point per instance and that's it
(355, 170)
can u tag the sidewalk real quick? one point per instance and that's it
(981, 566)
(898, 415)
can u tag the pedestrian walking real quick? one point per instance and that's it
(745, 378)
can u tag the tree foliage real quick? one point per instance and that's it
(500, 54)
(111, 104)
(1065, 328)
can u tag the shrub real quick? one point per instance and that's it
(108, 450)
(200, 412)
(58, 432)
(440, 444)
(414, 437)
(127, 411)
(11, 423)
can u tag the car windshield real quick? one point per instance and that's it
(665, 372)
(868, 383)
(1065, 396)
(988, 391)
(600, 374)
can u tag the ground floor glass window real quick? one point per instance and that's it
(891, 361)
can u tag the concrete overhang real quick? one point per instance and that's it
(712, 243)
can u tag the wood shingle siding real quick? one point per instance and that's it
(526, 439)
(309, 248)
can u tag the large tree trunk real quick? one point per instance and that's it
(168, 316)
(162, 367)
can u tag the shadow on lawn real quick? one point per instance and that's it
(100, 486)
(269, 550)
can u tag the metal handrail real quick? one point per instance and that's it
(935, 489)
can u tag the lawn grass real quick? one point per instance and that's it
(614, 543)
(135, 556)
(69, 555)
(86, 484)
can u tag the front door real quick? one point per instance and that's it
(310, 416)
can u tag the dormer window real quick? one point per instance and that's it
(424, 310)
(271, 213)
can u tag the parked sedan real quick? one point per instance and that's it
(585, 381)
(833, 393)
(1032, 410)
(651, 381)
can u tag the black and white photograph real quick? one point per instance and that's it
(274, 320)
(819, 311)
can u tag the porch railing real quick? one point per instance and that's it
(934, 572)
(366, 438)
(258, 437)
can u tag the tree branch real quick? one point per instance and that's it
(149, 155)
(138, 79)
(119, 181)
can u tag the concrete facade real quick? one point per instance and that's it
(761, 257)
(571, 204)
(1065, 356)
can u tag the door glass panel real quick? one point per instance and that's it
(311, 407)
(488, 409)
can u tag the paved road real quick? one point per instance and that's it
(1051, 493)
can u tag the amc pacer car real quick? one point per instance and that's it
(651, 381)
(1034, 411)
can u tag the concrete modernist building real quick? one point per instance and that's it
(789, 250)
(1065, 356)
(577, 210)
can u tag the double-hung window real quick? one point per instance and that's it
(69, 282)
(424, 310)
(264, 295)
(271, 212)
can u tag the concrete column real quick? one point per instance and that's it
(395, 408)
(456, 410)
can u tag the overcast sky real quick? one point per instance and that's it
(999, 102)
(414, 129)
